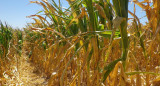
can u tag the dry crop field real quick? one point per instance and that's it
(90, 43)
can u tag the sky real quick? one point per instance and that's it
(14, 12)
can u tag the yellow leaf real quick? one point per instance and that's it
(73, 83)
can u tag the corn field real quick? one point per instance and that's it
(90, 43)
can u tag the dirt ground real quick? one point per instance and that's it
(23, 73)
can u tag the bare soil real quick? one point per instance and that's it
(23, 73)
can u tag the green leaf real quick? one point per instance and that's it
(89, 58)
(101, 27)
(109, 68)
(138, 72)
(84, 5)
(107, 33)
(39, 12)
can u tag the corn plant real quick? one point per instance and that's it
(85, 43)
(5, 38)
(20, 40)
